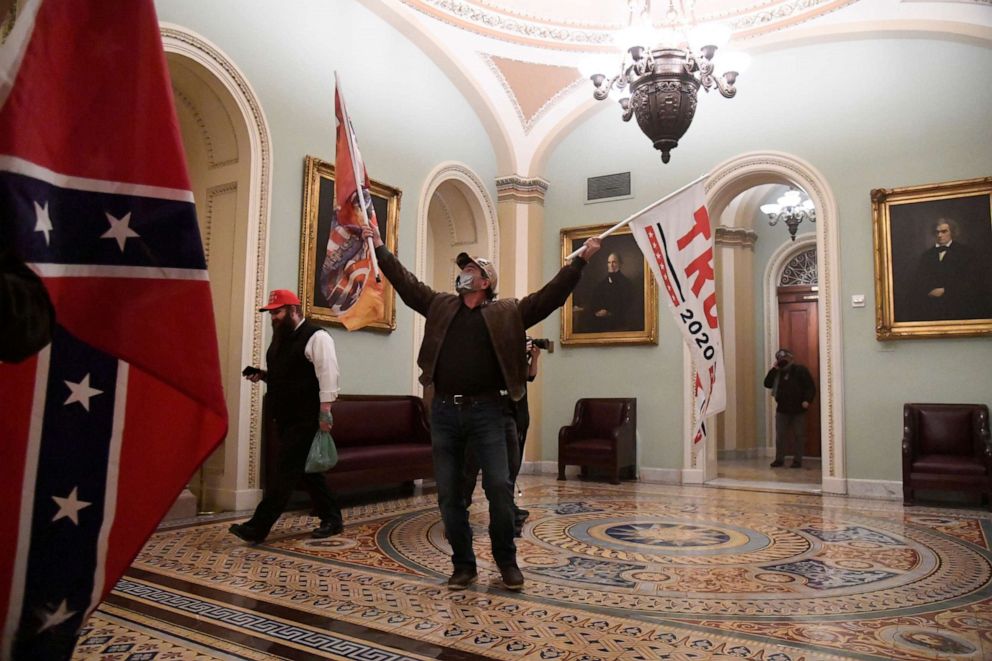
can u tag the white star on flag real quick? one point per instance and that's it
(44, 223)
(81, 392)
(69, 506)
(119, 229)
(56, 617)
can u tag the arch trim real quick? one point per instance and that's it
(473, 184)
(734, 176)
(181, 41)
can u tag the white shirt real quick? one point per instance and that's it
(320, 352)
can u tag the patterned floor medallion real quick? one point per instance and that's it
(635, 571)
(684, 560)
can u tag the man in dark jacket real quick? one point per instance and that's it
(27, 318)
(473, 355)
(950, 280)
(793, 388)
(302, 378)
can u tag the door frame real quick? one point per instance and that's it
(240, 484)
(726, 181)
(801, 295)
(773, 273)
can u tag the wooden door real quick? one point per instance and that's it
(798, 331)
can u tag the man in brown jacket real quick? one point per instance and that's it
(473, 354)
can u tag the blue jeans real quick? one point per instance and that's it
(481, 426)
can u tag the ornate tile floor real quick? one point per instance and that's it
(635, 571)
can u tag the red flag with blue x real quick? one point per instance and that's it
(100, 430)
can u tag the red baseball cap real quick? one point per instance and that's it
(279, 298)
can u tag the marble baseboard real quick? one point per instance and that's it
(884, 489)
(661, 475)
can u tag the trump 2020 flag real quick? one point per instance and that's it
(676, 238)
(346, 276)
(101, 429)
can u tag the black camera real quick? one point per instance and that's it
(543, 343)
(250, 371)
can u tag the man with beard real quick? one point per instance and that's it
(302, 380)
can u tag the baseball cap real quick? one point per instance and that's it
(279, 298)
(484, 265)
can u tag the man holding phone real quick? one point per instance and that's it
(302, 378)
(793, 388)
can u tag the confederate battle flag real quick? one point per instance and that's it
(101, 429)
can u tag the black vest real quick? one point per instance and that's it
(294, 392)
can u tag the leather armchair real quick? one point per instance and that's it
(946, 447)
(602, 435)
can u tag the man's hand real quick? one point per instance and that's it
(592, 246)
(369, 233)
(326, 420)
(936, 293)
(255, 377)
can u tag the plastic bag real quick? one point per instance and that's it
(323, 455)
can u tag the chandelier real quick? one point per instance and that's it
(664, 71)
(792, 209)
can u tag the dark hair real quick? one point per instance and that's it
(950, 222)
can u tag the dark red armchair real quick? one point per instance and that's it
(946, 447)
(602, 435)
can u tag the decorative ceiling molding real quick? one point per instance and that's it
(563, 26)
(533, 88)
(496, 25)
(521, 189)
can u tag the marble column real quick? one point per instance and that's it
(520, 209)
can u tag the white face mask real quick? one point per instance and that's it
(465, 282)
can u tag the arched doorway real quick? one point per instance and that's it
(227, 147)
(726, 182)
(456, 215)
(792, 318)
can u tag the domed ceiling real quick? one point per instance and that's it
(588, 24)
(518, 61)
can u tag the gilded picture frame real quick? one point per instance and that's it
(318, 218)
(933, 260)
(606, 309)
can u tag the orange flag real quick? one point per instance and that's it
(347, 276)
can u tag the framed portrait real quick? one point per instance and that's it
(933, 260)
(616, 302)
(318, 220)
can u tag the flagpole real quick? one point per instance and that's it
(359, 179)
(626, 221)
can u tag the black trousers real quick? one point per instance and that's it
(294, 446)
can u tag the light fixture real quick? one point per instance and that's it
(792, 209)
(664, 78)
